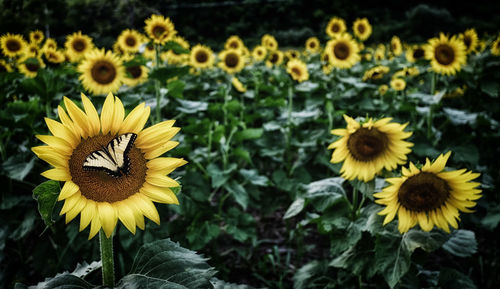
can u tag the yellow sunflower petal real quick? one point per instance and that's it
(108, 217)
(93, 116)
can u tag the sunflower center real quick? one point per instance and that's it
(341, 51)
(335, 28)
(367, 144)
(233, 44)
(296, 71)
(135, 71)
(231, 60)
(274, 58)
(103, 72)
(158, 31)
(13, 45)
(312, 45)
(201, 56)
(467, 41)
(33, 67)
(418, 53)
(130, 41)
(37, 36)
(423, 192)
(99, 186)
(444, 54)
(361, 28)
(79, 45)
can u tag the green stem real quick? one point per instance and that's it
(429, 114)
(108, 271)
(354, 201)
(289, 125)
(157, 84)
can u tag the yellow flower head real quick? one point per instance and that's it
(160, 29)
(297, 69)
(447, 55)
(362, 28)
(336, 26)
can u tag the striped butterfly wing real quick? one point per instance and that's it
(112, 159)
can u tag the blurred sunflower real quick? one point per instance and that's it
(238, 85)
(406, 71)
(298, 70)
(234, 42)
(50, 43)
(13, 45)
(177, 58)
(100, 199)
(366, 148)
(101, 72)
(415, 53)
(382, 89)
(398, 84)
(159, 29)
(54, 55)
(32, 50)
(396, 47)
(274, 58)
(4, 66)
(375, 73)
(135, 75)
(343, 52)
(231, 61)
(447, 55)
(335, 27)
(201, 56)
(129, 41)
(269, 42)
(429, 196)
(29, 65)
(77, 45)
(470, 40)
(313, 45)
(36, 37)
(259, 53)
(495, 47)
(292, 54)
(149, 51)
(362, 28)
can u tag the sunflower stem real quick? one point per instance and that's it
(108, 271)
(289, 124)
(157, 84)
(354, 201)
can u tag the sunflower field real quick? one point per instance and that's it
(163, 162)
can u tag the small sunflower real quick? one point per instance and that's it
(343, 52)
(298, 70)
(234, 42)
(29, 66)
(415, 53)
(135, 75)
(201, 56)
(269, 42)
(238, 85)
(495, 47)
(50, 43)
(77, 45)
(4, 66)
(292, 54)
(405, 72)
(231, 61)
(429, 196)
(470, 40)
(275, 58)
(36, 37)
(159, 28)
(362, 28)
(101, 72)
(313, 45)
(366, 148)
(149, 51)
(379, 52)
(174, 58)
(396, 47)
(376, 72)
(336, 26)
(259, 53)
(447, 55)
(398, 84)
(13, 45)
(100, 199)
(54, 55)
(382, 89)
(129, 41)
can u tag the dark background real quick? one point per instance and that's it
(211, 22)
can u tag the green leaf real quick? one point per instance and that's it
(490, 88)
(199, 235)
(306, 86)
(462, 243)
(165, 73)
(46, 195)
(17, 168)
(392, 257)
(175, 88)
(239, 193)
(254, 178)
(242, 153)
(175, 47)
(249, 133)
(302, 279)
(427, 241)
(325, 193)
(165, 263)
(191, 107)
(69, 280)
(451, 278)
(295, 208)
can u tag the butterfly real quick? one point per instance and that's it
(113, 158)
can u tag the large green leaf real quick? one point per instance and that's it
(46, 195)
(165, 263)
(462, 243)
(324, 193)
(392, 257)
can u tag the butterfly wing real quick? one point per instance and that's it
(112, 159)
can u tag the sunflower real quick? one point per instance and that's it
(343, 52)
(375, 73)
(292, 54)
(382, 89)
(54, 55)
(362, 28)
(102, 200)
(495, 47)
(405, 72)
(259, 53)
(50, 43)
(77, 45)
(32, 50)
(366, 148)
(4, 66)
(379, 53)
(297, 69)
(238, 85)
(174, 58)
(269, 42)
(29, 65)
(201, 56)
(101, 72)
(415, 53)
(447, 55)
(335, 27)
(398, 84)
(149, 51)
(135, 75)
(231, 61)
(470, 40)
(274, 57)
(234, 42)
(429, 196)
(159, 28)
(129, 41)
(36, 37)
(396, 47)
(13, 44)
(312, 45)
